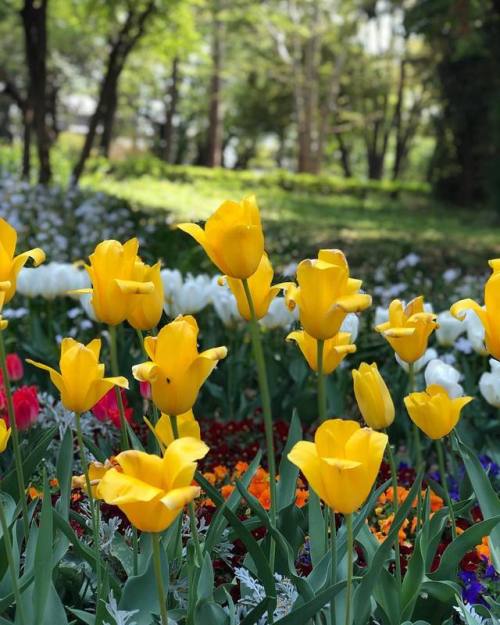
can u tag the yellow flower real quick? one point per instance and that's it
(111, 271)
(232, 238)
(408, 329)
(97, 470)
(433, 410)
(490, 314)
(3, 322)
(4, 436)
(146, 309)
(152, 491)
(342, 464)
(186, 424)
(334, 349)
(81, 380)
(260, 287)
(325, 294)
(373, 396)
(10, 264)
(176, 370)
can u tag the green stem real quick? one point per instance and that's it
(333, 552)
(135, 545)
(321, 381)
(92, 503)
(12, 567)
(113, 345)
(18, 461)
(191, 511)
(350, 558)
(395, 506)
(159, 578)
(444, 484)
(416, 432)
(266, 408)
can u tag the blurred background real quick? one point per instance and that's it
(372, 125)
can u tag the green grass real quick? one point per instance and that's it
(375, 223)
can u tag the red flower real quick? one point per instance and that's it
(26, 406)
(15, 369)
(145, 390)
(107, 409)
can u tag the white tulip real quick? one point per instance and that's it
(450, 328)
(351, 325)
(419, 364)
(381, 315)
(438, 372)
(475, 332)
(225, 306)
(86, 304)
(489, 384)
(278, 315)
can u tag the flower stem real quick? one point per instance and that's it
(350, 558)
(92, 503)
(395, 506)
(18, 461)
(12, 567)
(192, 514)
(266, 408)
(159, 578)
(321, 381)
(333, 552)
(444, 484)
(416, 431)
(113, 345)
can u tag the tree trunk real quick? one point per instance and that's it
(214, 153)
(173, 99)
(34, 18)
(398, 123)
(345, 156)
(108, 115)
(27, 125)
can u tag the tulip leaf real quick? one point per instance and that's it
(255, 613)
(489, 501)
(64, 470)
(365, 587)
(387, 595)
(210, 612)
(134, 440)
(43, 555)
(30, 462)
(317, 528)
(302, 614)
(463, 543)
(443, 590)
(205, 586)
(288, 472)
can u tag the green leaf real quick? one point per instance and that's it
(205, 586)
(489, 502)
(317, 528)
(387, 595)
(288, 472)
(43, 555)
(210, 612)
(134, 441)
(255, 613)
(301, 615)
(30, 462)
(64, 472)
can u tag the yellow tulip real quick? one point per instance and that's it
(111, 271)
(96, 471)
(152, 491)
(81, 380)
(232, 238)
(186, 424)
(490, 314)
(3, 322)
(342, 464)
(373, 397)
(334, 349)
(146, 309)
(408, 329)
(10, 264)
(4, 435)
(325, 294)
(260, 288)
(433, 410)
(177, 370)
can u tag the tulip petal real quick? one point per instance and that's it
(146, 371)
(5, 285)
(132, 287)
(179, 497)
(117, 488)
(179, 461)
(354, 303)
(305, 456)
(459, 309)
(55, 376)
(139, 465)
(8, 238)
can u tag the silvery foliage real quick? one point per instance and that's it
(107, 532)
(469, 616)
(68, 223)
(120, 617)
(286, 595)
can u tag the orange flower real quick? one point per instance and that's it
(226, 490)
(259, 483)
(301, 497)
(483, 550)
(240, 468)
(265, 499)
(54, 483)
(34, 493)
(220, 471)
(206, 503)
(210, 477)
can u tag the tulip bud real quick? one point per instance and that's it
(438, 372)
(450, 328)
(489, 384)
(373, 397)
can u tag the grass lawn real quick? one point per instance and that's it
(369, 228)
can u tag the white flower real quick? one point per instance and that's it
(450, 275)
(86, 304)
(411, 260)
(225, 306)
(438, 372)
(419, 364)
(381, 315)
(475, 332)
(351, 325)
(489, 384)
(278, 315)
(450, 328)
(463, 345)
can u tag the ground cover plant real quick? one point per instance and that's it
(168, 457)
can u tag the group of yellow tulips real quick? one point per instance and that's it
(342, 463)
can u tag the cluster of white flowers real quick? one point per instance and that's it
(52, 280)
